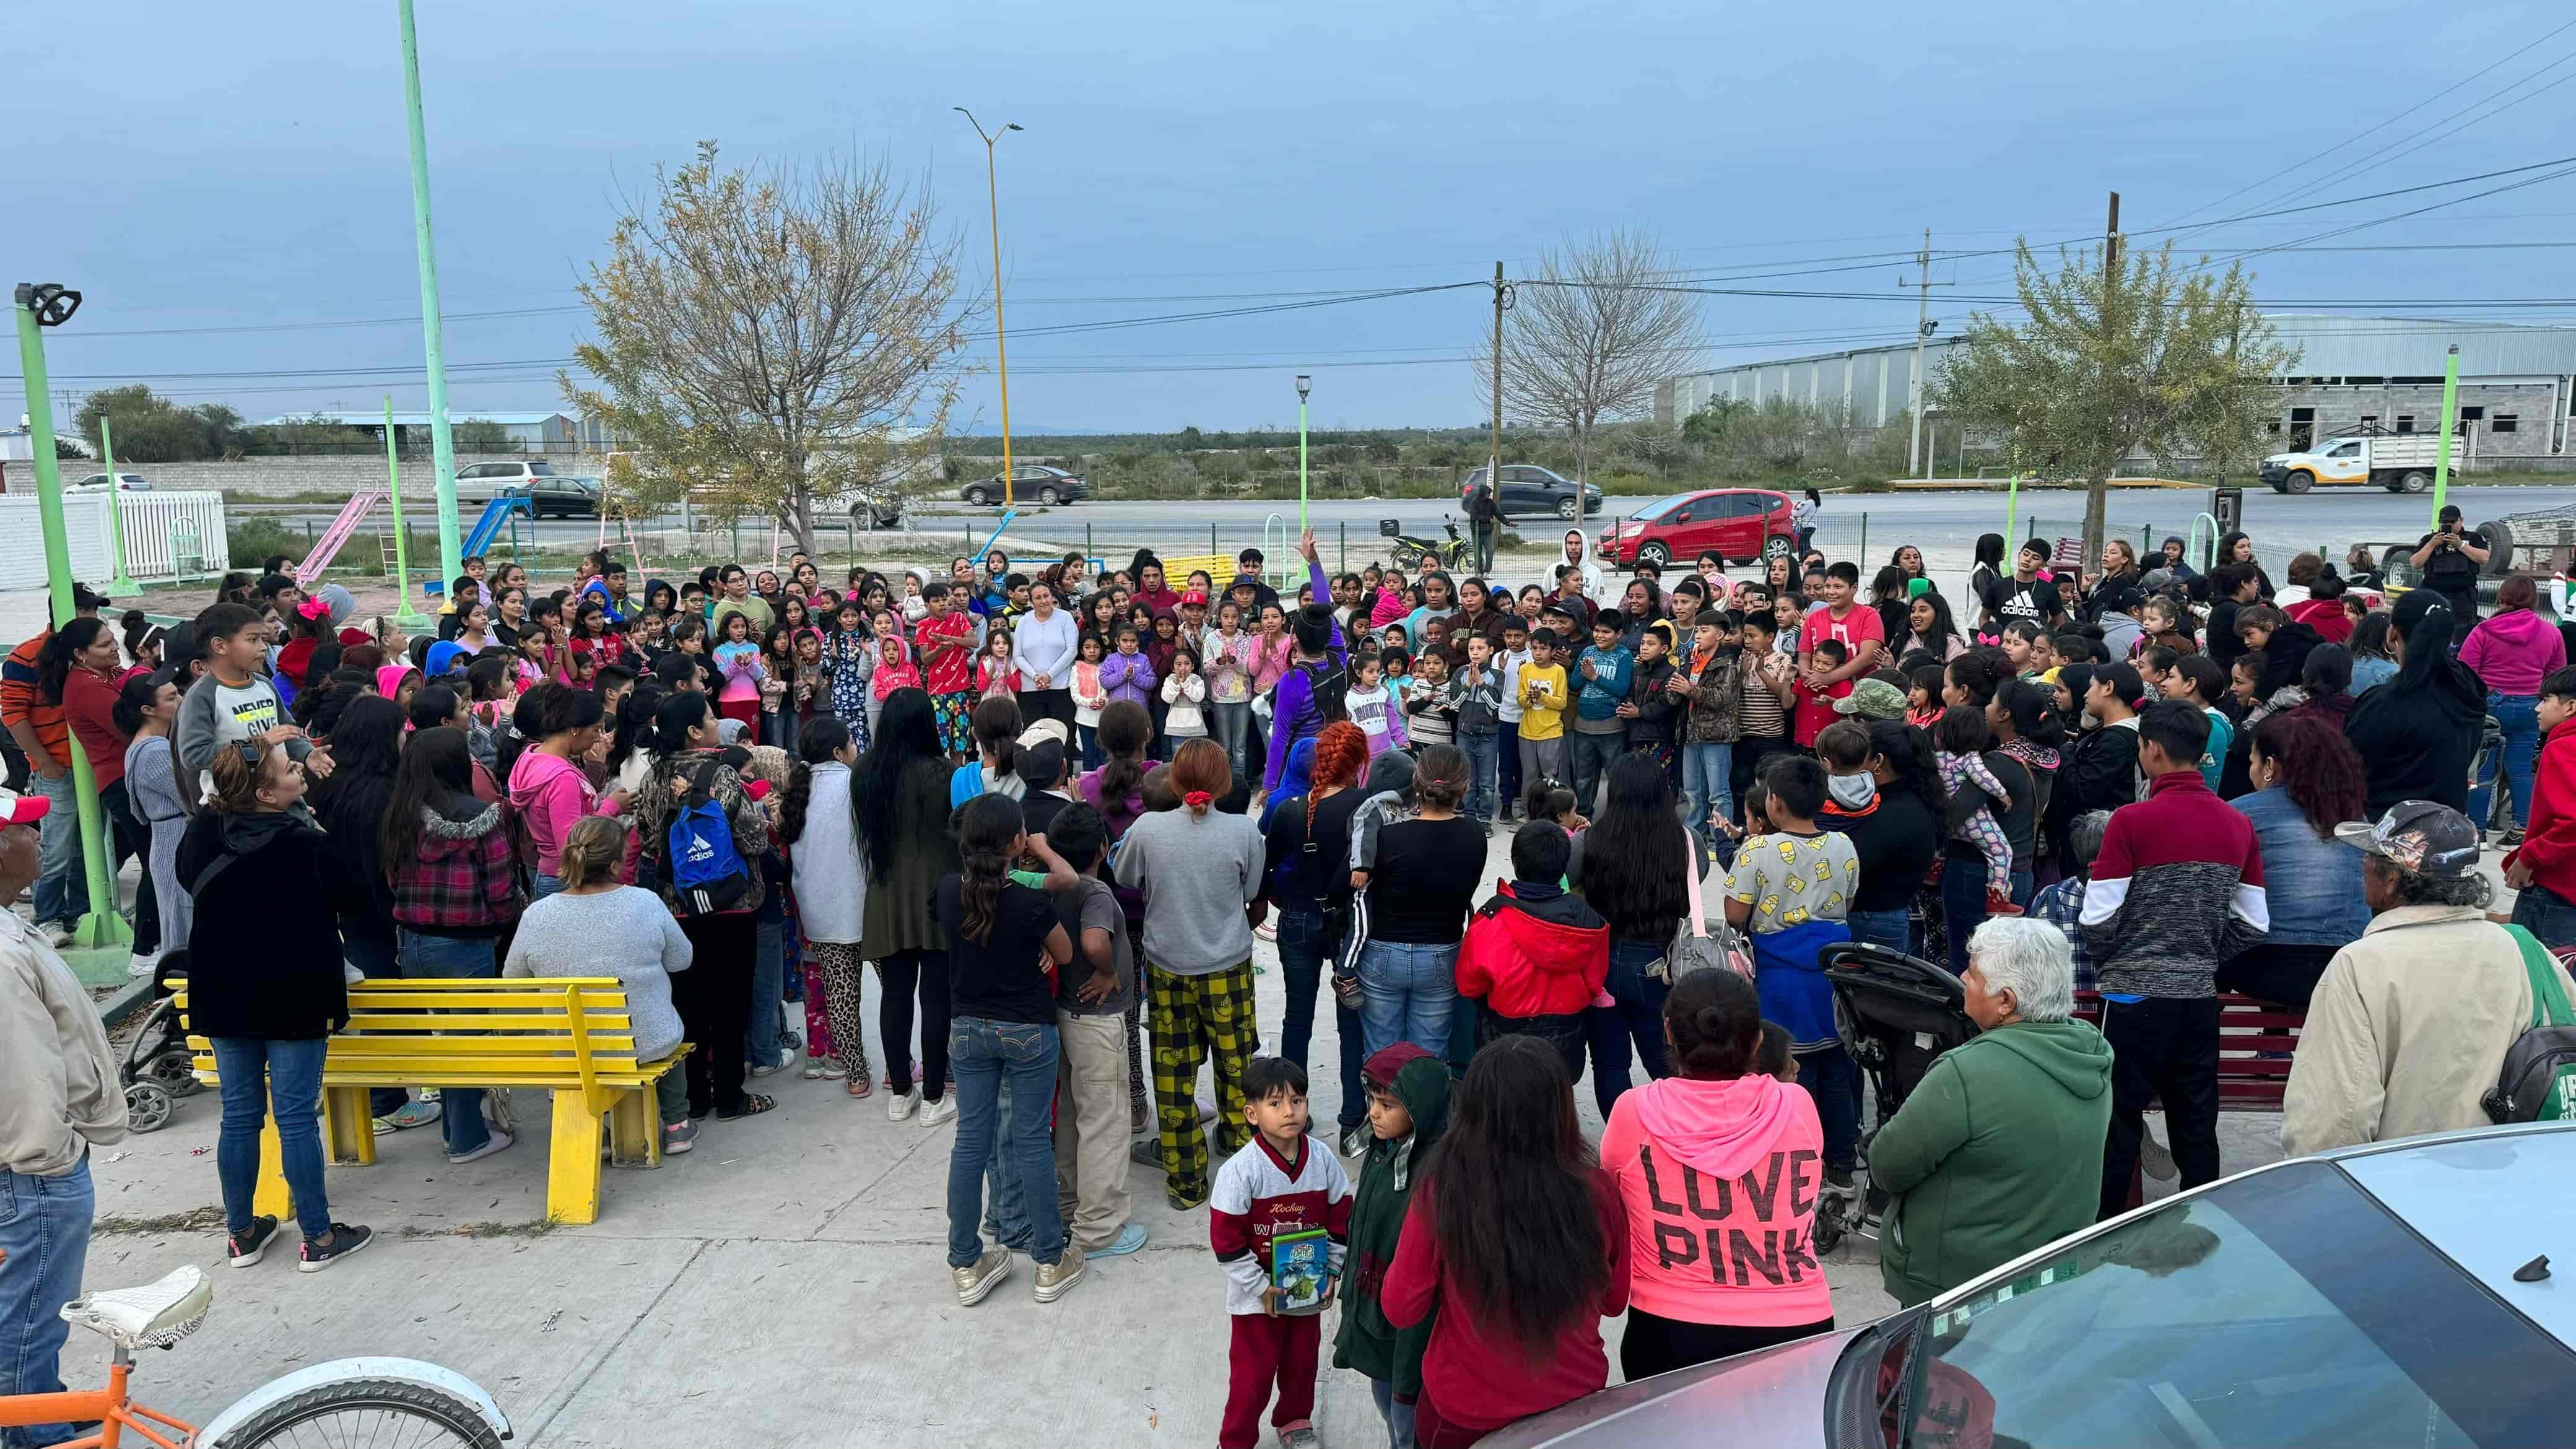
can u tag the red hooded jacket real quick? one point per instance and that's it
(1545, 957)
(2548, 848)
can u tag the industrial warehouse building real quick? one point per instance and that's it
(2356, 374)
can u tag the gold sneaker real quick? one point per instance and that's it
(1056, 1277)
(983, 1276)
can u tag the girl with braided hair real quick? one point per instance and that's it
(1308, 838)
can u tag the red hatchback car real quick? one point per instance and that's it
(1741, 524)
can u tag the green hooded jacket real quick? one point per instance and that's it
(1367, 1342)
(1999, 1151)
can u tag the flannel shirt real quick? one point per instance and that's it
(463, 880)
(2062, 906)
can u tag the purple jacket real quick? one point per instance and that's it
(1127, 676)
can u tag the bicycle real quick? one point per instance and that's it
(344, 1404)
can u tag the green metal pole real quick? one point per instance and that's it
(2450, 412)
(102, 927)
(1346, 548)
(124, 582)
(404, 614)
(451, 551)
(1864, 538)
(2012, 510)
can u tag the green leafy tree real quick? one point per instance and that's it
(481, 435)
(2109, 359)
(774, 340)
(152, 429)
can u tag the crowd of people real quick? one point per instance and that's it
(1053, 809)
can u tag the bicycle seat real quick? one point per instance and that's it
(155, 1315)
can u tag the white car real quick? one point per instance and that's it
(483, 482)
(125, 483)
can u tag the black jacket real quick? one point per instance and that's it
(1896, 839)
(2417, 732)
(351, 807)
(2100, 772)
(264, 948)
(1657, 707)
(2285, 655)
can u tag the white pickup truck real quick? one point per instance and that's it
(2400, 463)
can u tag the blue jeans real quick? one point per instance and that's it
(2545, 914)
(1588, 757)
(1484, 770)
(1301, 966)
(44, 1241)
(1635, 1013)
(1706, 787)
(453, 956)
(379, 961)
(983, 1052)
(1405, 995)
(259, 1077)
(1232, 724)
(546, 885)
(768, 988)
(1963, 906)
(62, 885)
(1507, 769)
(1833, 1079)
(1398, 1417)
(1881, 928)
(1088, 736)
(1006, 1209)
(2519, 714)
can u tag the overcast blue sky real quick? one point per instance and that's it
(228, 167)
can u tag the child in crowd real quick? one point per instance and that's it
(1815, 707)
(1651, 706)
(1508, 663)
(1184, 700)
(944, 640)
(1128, 675)
(1371, 707)
(1958, 744)
(1408, 1108)
(1534, 955)
(2197, 680)
(737, 659)
(1476, 695)
(1598, 735)
(1430, 711)
(1544, 701)
(1551, 802)
(1091, 1000)
(996, 675)
(1281, 1182)
(2025, 645)
(1089, 697)
(1923, 704)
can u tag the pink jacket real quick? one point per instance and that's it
(2513, 651)
(551, 794)
(1720, 1180)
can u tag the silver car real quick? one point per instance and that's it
(2399, 1293)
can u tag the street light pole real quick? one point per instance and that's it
(442, 439)
(40, 305)
(1001, 347)
(123, 583)
(1303, 384)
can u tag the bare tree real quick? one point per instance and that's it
(1590, 333)
(774, 340)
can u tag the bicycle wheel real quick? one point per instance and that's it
(366, 1414)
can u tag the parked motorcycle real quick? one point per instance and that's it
(1409, 552)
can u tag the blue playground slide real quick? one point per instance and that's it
(496, 515)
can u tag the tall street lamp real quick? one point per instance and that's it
(1001, 350)
(1304, 383)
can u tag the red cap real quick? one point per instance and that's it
(17, 809)
(1195, 596)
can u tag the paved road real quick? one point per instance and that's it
(1943, 521)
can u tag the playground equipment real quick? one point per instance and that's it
(352, 513)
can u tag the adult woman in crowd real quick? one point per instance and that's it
(146, 709)
(1929, 627)
(1721, 1117)
(715, 996)
(1043, 640)
(2235, 548)
(2416, 733)
(1963, 868)
(1884, 795)
(1640, 605)
(1999, 1150)
(2119, 575)
(1198, 869)
(1629, 865)
(1421, 888)
(549, 789)
(2307, 780)
(454, 872)
(1889, 599)
(593, 926)
(1970, 679)
(2372, 662)
(366, 752)
(2513, 649)
(1521, 1242)
(1305, 858)
(1988, 584)
(901, 789)
(265, 986)
(819, 826)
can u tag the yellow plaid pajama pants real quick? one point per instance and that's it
(1194, 1018)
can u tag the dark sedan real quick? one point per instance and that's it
(1030, 483)
(1532, 491)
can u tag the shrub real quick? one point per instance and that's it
(252, 540)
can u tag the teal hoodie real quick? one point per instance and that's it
(1998, 1152)
(1367, 1342)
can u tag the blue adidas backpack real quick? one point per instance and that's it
(707, 874)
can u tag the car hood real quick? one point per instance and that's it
(1770, 1399)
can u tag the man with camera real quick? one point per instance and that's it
(2450, 557)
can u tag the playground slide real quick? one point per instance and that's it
(327, 547)
(496, 515)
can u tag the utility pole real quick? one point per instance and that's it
(2097, 502)
(1923, 285)
(1494, 468)
(1001, 348)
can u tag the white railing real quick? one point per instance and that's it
(152, 525)
(154, 522)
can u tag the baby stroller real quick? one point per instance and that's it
(1895, 1015)
(158, 1067)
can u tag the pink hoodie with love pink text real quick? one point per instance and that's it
(1720, 1179)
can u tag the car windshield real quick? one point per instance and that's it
(541, 470)
(2288, 1308)
(1662, 506)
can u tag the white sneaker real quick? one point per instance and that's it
(497, 1141)
(943, 1110)
(60, 936)
(903, 1104)
(140, 967)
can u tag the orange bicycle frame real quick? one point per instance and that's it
(109, 1406)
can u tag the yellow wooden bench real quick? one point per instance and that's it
(570, 1036)
(1220, 568)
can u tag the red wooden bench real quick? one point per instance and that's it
(2248, 1081)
